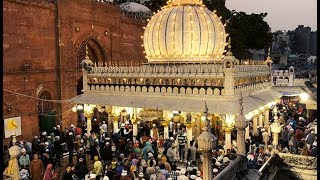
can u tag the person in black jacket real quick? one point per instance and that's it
(81, 169)
(81, 154)
(107, 153)
(70, 146)
(68, 173)
(58, 150)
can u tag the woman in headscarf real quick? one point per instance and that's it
(133, 166)
(36, 168)
(49, 174)
(97, 167)
(147, 148)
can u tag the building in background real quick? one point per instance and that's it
(43, 48)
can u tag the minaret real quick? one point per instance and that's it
(228, 70)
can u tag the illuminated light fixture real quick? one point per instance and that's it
(304, 96)
(74, 109)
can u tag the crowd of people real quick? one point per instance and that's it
(104, 154)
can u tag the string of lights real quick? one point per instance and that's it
(32, 97)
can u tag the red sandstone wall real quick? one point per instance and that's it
(28, 38)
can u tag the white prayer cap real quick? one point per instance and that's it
(312, 132)
(141, 174)
(314, 143)
(122, 125)
(215, 170)
(250, 157)
(124, 173)
(218, 163)
(49, 137)
(72, 125)
(35, 137)
(47, 150)
(103, 122)
(193, 177)
(182, 171)
(198, 173)
(171, 138)
(70, 133)
(154, 125)
(127, 122)
(44, 133)
(23, 150)
(263, 130)
(46, 143)
(105, 178)
(150, 155)
(58, 126)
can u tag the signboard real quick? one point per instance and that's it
(311, 106)
(12, 126)
(282, 81)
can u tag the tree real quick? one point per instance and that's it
(248, 32)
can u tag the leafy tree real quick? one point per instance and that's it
(155, 5)
(248, 32)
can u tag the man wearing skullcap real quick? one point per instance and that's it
(70, 147)
(81, 169)
(58, 150)
(24, 159)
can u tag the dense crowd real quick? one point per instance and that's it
(104, 154)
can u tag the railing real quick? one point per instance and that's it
(231, 171)
(171, 89)
(305, 162)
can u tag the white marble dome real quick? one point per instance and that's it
(184, 31)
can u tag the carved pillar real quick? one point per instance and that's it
(207, 164)
(260, 121)
(165, 125)
(115, 124)
(189, 133)
(247, 135)
(266, 117)
(276, 129)
(228, 138)
(255, 124)
(88, 112)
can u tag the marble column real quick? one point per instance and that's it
(134, 130)
(228, 144)
(247, 134)
(260, 121)
(276, 129)
(207, 164)
(165, 129)
(266, 117)
(189, 133)
(115, 124)
(89, 125)
(241, 124)
(255, 124)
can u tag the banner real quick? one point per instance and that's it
(12, 126)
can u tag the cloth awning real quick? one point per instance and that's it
(179, 103)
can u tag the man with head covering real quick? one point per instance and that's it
(182, 175)
(81, 169)
(314, 149)
(71, 143)
(28, 147)
(24, 159)
(173, 154)
(35, 145)
(58, 150)
(310, 138)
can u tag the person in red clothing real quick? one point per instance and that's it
(299, 135)
(78, 130)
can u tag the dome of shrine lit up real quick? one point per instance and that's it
(184, 31)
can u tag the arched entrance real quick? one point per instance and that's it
(95, 51)
(46, 114)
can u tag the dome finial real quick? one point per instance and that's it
(87, 53)
(229, 53)
(184, 2)
(269, 60)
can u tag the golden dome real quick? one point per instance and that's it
(184, 31)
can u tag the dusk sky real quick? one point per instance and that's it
(282, 14)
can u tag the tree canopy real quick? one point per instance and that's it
(247, 31)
